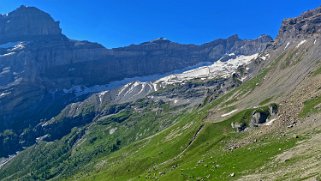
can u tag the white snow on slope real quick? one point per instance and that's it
(112, 131)
(134, 86)
(229, 113)
(18, 46)
(142, 88)
(287, 45)
(4, 94)
(270, 122)
(80, 90)
(5, 70)
(218, 69)
(264, 57)
(14, 46)
(155, 86)
(101, 95)
(4, 161)
(7, 54)
(301, 43)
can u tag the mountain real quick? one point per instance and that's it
(27, 23)
(41, 69)
(305, 26)
(229, 109)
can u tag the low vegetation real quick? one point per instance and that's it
(311, 106)
(190, 150)
(265, 101)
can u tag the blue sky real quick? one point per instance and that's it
(116, 23)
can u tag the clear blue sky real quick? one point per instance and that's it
(115, 23)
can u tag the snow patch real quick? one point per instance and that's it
(155, 86)
(7, 54)
(5, 70)
(4, 161)
(243, 78)
(4, 94)
(123, 88)
(80, 90)
(229, 113)
(217, 69)
(101, 95)
(18, 46)
(286, 46)
(270, 122)
(142, 88)
(301, 43)
(265, 57)
(112, 131)
(132, 86)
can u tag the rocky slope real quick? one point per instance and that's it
(185, 92)
(248, 116)
(305, 26)
(42, 71)
(27, 23)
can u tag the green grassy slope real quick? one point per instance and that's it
(88, 144)
(154, 142)
(191, 149)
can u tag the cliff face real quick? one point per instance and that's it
(65, 63)
(27, 23)
(45, 53)
(304, 26)
(37, 63)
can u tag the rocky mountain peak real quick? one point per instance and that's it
(304, 26)
(27, 23)
(234, 38)
(264, 38)
(160, 40)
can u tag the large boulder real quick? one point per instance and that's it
(261, 116)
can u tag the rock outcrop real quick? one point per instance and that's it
(304, 26)
(27, 23)
(262, 116)
(38, 64)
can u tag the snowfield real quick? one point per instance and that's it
(217, 70)
(12, 47)
(229, 113)
(301, 43)
(286, 46)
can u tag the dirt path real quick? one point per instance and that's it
(188, 146)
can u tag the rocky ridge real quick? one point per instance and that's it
(305, 26)
(27, 23)
(285, 76)
(39, 63)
